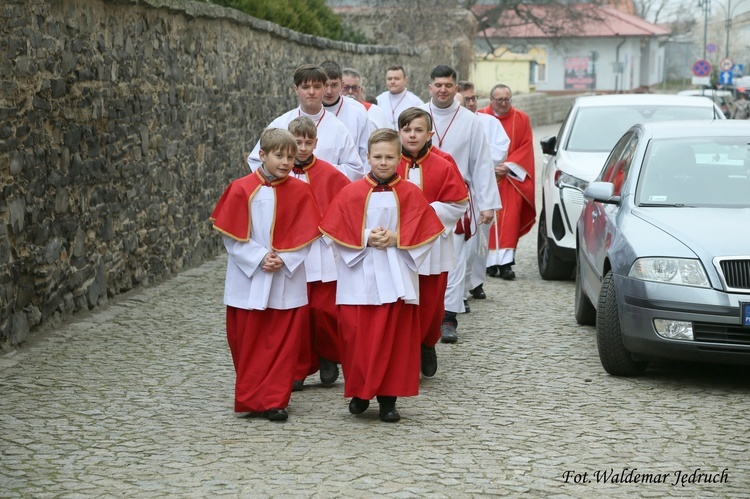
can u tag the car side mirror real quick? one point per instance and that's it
(602, 192)
(549, 145)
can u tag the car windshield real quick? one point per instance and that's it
(696, 171)
(597, 129)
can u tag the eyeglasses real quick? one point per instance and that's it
(350, 88)
(470, 99)
(502, 101)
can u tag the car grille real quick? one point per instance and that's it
(721, 333)
(736, 273)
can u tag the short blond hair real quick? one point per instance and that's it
(277, 139)
(302, 126)
(384, 135)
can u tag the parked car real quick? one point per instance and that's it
(722, 98)
(575, 156)
(663, 247)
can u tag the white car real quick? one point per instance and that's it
(574, 157)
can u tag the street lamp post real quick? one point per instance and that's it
(728, 14)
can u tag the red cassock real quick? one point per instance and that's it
(265, 343)
(441, 181)
(380, 343)
(326, 181)
(518, 213)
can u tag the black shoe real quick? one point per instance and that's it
(358, 405)
(506, 272)
(276, 415)
(449, 334)
(467, 308)
(429, 361)
(298, 384)
(388, 412)
(478, 293)
(329, 371)
(493, 270)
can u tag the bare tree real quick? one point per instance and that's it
(551, 19)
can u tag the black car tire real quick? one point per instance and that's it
(584, 310)
(615, 359)
(551, 268)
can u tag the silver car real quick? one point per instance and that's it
(663, 247)
(575, 156)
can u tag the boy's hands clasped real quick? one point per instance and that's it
(382, 238)
(272, 262)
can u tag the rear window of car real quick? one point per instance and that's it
(696, 171)
(597, 129)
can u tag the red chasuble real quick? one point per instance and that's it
(344, 222)
(521, 151)
(326, 181)
(441, 180)
(296, 212)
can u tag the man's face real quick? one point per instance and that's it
(415, 135)
(310, 96)
(351, 86)
(396, 81)
(500, 101)
(305, 147)
(384, 158)
(443, 91)
(332, 91)
(470, 99)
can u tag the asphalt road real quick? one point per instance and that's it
(135, 400)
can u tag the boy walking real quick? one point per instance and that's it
(319, 347)
(442, 185)
(269, 221)
(383, 229)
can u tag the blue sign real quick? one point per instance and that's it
(711, 47)
(725, 77)
(701, 67)
(738, 69)
(745, 308)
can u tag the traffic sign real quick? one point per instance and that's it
(726, 64)
(701, 67)
(711, 47)
(725, 77)
(738, 69)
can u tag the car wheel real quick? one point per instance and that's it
(584, 310)
(615, 359)
(551, 268)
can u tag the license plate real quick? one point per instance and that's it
(745, 314)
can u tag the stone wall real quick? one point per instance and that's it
(121, 122)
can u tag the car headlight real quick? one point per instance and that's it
(563, 179)
(683, 271)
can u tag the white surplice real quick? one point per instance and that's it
(395, 104)
(247, 286)
(371, 276)
(335, 143)
(354, 115)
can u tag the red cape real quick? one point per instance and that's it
(296, 214)
(325, 180)
(521, 151)
(344, 222)
(441, 180)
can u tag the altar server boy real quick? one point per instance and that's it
(268, 220)
(383, 228)
(443, 186)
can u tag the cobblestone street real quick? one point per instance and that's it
(135, 400)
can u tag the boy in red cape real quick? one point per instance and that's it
(319, 347)
(269, 221)
(382, 228)
(444, 188)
